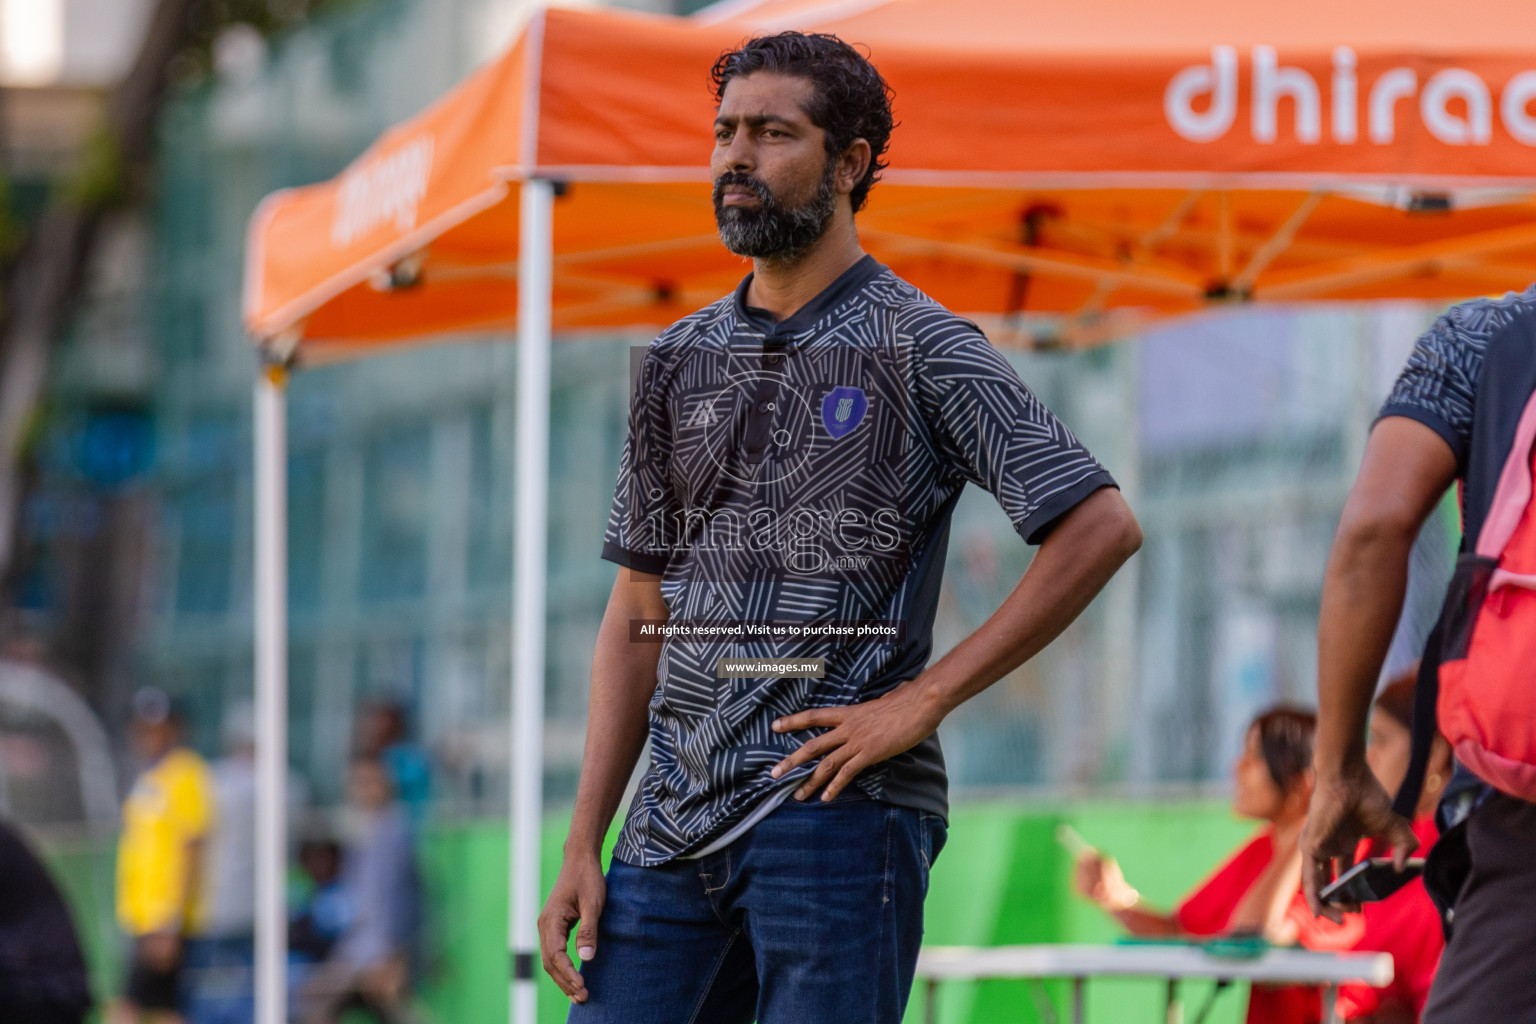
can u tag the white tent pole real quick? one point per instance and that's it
(271, 644)
(531, 486)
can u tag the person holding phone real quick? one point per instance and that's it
(1467, 367)
(1256, 889)
(1406, 922)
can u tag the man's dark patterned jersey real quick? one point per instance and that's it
(1438, 388)
(802, 474)
(1439, 385)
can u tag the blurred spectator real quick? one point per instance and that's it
(370, 965)
(166, 819)
(1255, 890)
(382, 733)
(221, 962)
(221, 982)
(320, 919)
(42, 972)
(325, 913)
(1407, 923)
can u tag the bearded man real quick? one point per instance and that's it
(795, 452)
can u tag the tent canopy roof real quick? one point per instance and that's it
(1107, 160)
(1408, 28)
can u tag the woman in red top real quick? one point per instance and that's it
(1405, 924)
(1254, 891)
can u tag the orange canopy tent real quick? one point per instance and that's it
(1062, 158)
(1097, 163)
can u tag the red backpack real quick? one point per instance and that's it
(1478, 675)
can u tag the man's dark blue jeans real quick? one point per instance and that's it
(815, 915)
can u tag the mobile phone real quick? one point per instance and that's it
(1371, 880)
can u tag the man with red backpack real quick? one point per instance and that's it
(1463, 411)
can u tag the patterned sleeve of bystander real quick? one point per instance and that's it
(1439, 382)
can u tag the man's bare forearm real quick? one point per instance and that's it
(623, 682)
(1406, 470)
(1068, 571)
(1363, 590)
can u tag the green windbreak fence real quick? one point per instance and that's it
(1001, 879)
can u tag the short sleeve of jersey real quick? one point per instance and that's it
(644, 498)
(1439, 383)
(993, 431)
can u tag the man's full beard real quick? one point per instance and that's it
(773, 231)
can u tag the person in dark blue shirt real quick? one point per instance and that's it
(1481, 869)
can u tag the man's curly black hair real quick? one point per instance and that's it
(851, 101)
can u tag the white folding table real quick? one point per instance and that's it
(1171, 961)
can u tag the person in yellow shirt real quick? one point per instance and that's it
(165, 819)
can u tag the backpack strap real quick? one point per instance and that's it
(1426, 695)
(1505, 385)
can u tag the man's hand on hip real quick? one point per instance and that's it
(1084, 548)
(579, 895)
(858, 736)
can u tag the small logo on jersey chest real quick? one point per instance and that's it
(842, 410)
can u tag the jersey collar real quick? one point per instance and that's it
(846, 285)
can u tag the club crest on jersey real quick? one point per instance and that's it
(842, 410)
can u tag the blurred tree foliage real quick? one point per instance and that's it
(43, 258)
